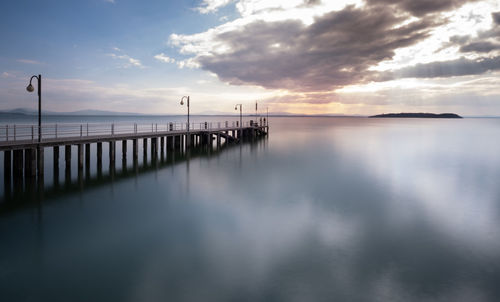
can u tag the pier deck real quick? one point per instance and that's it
(24, 151)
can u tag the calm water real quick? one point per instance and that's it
(344, 209)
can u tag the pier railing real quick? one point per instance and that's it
(23, 132)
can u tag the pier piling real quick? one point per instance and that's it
(24, 158)
(80, 157)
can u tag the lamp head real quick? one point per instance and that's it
(30, 88)
(236, 108)
(182, 102)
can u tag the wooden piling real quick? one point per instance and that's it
(27, 163)
(162, 145)
(170, 143)
(29, 170)
(112, 151)
(7, 180)
(7, 171)
(30, 163)
(135, 149)
(55, 165)
(80, 157)
(17, 170)
(40, 162)
(112, 157)
(154, 148)
(7, 164)
(87, 156)
(55, 160)
(18, 164)
(178, 142)
(99, 155)
(67, 159)
(87, 161)
(124, 149)
(99, 159)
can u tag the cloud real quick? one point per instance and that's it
(481, 46)
(311, 2)
(129, 61)
(163, 58)
(337, 49)
(211, 6)
(453, 68)
(496, 18)
(485, 41)
(110, 1)
(421, 7)
(26, 61)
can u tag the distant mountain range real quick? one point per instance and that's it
(27, 111)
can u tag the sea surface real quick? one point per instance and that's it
(323, 209)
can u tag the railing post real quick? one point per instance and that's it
(81, 130)
(87, 129)
(56, 130)
(151, 127)
(14, 131)
(112, 129)
(32, 133)
(156, 127)
(7, 132)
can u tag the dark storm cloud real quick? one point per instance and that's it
(422, 7)
(336, 50)
(312, 2)
(496, 17)
(485, 42)
(481, 46)
(459, 67)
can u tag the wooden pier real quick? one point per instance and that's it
(24, 152)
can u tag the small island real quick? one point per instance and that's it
(418, 115)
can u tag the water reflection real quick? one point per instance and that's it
(29, 192)
(324, 210)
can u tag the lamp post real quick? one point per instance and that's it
(188, 137)
(236, 108)
(255, 110)
(187, 103)
(31, 89)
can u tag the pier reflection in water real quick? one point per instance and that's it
(32, 193)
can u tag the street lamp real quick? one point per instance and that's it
(30, 88)
(236, 108)
(187, 103)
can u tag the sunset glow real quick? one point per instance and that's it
(302, 57)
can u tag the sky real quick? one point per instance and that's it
(352, 57)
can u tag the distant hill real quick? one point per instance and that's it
(91, 112)
(26, 111)
(418, 115)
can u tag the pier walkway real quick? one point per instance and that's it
(24, 150)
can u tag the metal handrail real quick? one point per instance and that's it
(17, 132)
